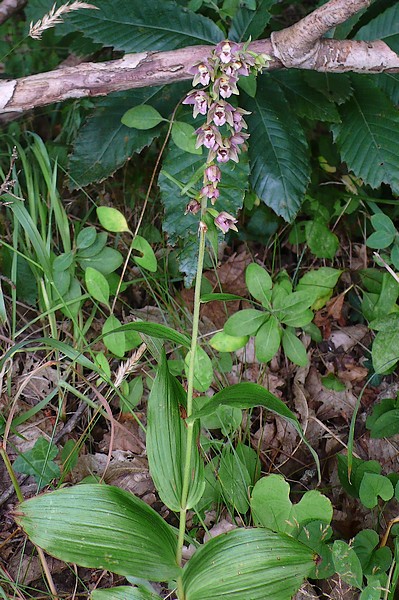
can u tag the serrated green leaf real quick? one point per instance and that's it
(104, 144)
(347, 564)
(147, 260)
(248, 24)
(183, 135)
(97, 285)
(244, 322)
(101, 527)
(305, 99)
(141, 117)
(293, 348)
(278, 150)
(367, 135)
(247, 564)
(259, 282)
(166, 441)
(389, 83)
(372, 486)
(135, 26)
(336, 87)
(39, 462)
(384, 27)
(114, 340)
(268, 339)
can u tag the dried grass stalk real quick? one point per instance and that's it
(54, 17)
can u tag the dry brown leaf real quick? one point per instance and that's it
(347, 337)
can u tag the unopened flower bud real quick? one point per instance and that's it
(193, 207)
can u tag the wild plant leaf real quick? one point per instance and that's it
(101, 527)
(293, 348)
(124, 592)
(106, 261)
(223, 342)
(389, 83)
(146, 257)
(143, 116)
(155, 330)
(203, 370)
(278, 150)
(166, 441)
(358, 470)
(114, 340)
(384, 27)
(268, 339)
(385, 350)
(97, 285)
(112, 219)
(384, 420)
(245, 322)
(183, 135)
(234, 480)
(86, 237)
(305, 99)
(322, 242)
(320, 283)
(104, 144)
(259, 283)
(248, 24)
(347, 564)
(249, 395)
(39, 462)
(247, 564)
(367, 136)
(136, 26)
(372, 486)
(336, 87)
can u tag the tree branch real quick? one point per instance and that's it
(9, 7)
(298, 46)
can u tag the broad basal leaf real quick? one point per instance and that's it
(384, 27)
(124, 592)
(367, 136)
(101, 527)
(247, 564)
(137, 26)
(305, 100)
(166, 441)
(104, 144)
(278, 150)
(248, 24)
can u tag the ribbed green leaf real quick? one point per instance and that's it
(247, 564)
(250, 23)
(166, 441)
(249, 395)
(137, 26)
(124, 592)
(278, 150)
(336, 87)
(367, 136)
(384, 27)
(101, 527)
(306, 101)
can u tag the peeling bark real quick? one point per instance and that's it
(299, 46)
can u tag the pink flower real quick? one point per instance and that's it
(202, 73)
(210, 192)
(221, 112)
(213, 174)
(193, 207)
(225, 222)
(200, 99)
(209, 137)
(226, 51)
(237, 68)
(239, 122)
(225, 86)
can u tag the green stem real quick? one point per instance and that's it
(190, 390)
(11, 472)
